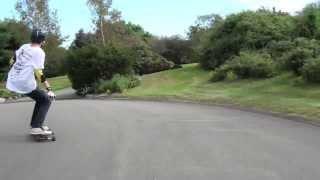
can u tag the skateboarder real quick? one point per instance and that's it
(27, 66)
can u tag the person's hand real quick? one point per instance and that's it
(51, 95)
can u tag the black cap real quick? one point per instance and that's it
(37, 36)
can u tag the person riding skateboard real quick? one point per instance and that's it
(27, 66)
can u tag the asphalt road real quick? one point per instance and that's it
(125, 140)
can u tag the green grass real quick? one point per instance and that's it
(57, 83)
(285, 93)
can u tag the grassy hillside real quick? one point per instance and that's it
(285, 93)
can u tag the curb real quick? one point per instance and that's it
(297, 118)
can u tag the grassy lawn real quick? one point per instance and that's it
(3, 92)
(57, 83)
(284, 94)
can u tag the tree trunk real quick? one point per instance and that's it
(102, 32)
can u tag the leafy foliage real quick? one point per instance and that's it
(36, 14)
(311, 70)
(246, 30)
(246, 65)
(146, 61)
(307, 22)
(87, 65)
(174, 49)
(12, 35)
(117, 84)
(293, 55)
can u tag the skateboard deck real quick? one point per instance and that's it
(44, 138)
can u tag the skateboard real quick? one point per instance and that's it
(44, 138)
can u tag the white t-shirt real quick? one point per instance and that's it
(21, 78)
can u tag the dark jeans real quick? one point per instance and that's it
(41, 107)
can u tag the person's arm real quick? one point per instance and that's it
(41, 77)
(39, 59)
(12, 60)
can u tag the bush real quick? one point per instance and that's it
(118, 83)
(2, 77)
(220, 74)
(86, 65)
(307, 21)
(246, 65)
(5, 56)
(231, 76)
(311, 70)
(55, 63)
(5, 93)
(252, 65)
(295, 59)
(147, 61)
(174, 49)
(83, 39)
(242, 31)
(292, 55)
(278, 48)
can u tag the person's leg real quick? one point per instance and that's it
(35, 114)
(41, 107)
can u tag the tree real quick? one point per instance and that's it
(137, 30)
(308, 21)
(199, 32)
(37, 15)
(91, 63)
(12, 35)
(252, 30)
(202, 25)
(83, 39)
(100, 10)
(115, 15)
(175, 49)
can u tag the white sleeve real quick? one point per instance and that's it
(39, 59)
(19, 50)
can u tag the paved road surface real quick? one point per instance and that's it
(123, 140)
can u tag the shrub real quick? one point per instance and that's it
(311, 70)
(2, 77)
(55, 63)
(292, 55)
(246, 65)
(118, 83)
(147, 61)
(174, 48)
(5, 56)
(231, 76)
(86, 65)
(277, 49)
(246, 30)
(220, 74)
(252, 65)
(295, 59)
(5, 93)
